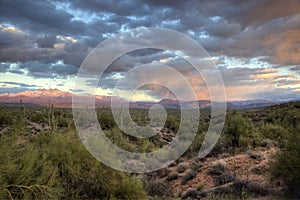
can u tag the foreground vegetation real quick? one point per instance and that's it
(42, 157)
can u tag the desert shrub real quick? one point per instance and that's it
(156, 140)
(195, 166)
(173, 122)
(244, 188)
(274, 132)
(194, 148)
(191, 194)
(130, 188)
(38, 116)
(181, 168)
(268, 142)
(25, 173)
(106, 120)
(224, 144)
(64, 122)
(57, 166)
(5, 118)
(81, 175)
(200, 187)
(224, 178)
(120, 139)
(157, 187)
(145, 131)
(218, 168)
(286, 166)
(189, 175)
(146, 146)
(256, 155)
(172, 176)
(161, 173)
(241, 131)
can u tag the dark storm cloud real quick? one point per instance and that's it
(137, 57)
(39, 16)
(223, 29)
(21, 47)
(64, 69)
(74, 53)
(47, 41)
(38, 69)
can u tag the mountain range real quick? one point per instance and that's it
(44, 97)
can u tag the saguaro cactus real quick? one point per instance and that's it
(22, 109)
(52, 121)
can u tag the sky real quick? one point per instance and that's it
(254, 44)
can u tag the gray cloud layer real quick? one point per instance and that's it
(51, 38)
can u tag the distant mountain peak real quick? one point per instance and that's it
(168, 101)
(64, 99)
(39, 93)
(39, 97)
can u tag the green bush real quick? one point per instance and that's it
(25, 173)
(241, 131)
(286, 166)
(274, 132)
(130, 188)
(5, 118)
(57, 166)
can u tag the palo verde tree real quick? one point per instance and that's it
(241, 131)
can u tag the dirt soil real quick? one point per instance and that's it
(243, 166)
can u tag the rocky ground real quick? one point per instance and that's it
(197, 178)
(203, 178)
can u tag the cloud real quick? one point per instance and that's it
(50, 39)
(47, 41)
(287, 82)
(232, 28)
(48, 70)
(271, 76)
(296, 69)
(4, 67)
(40, 17)
(13, 90)
(18, 84)
(21, 47)
(251, 13)
(287, 48)
(223, 29)
(122, 8)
